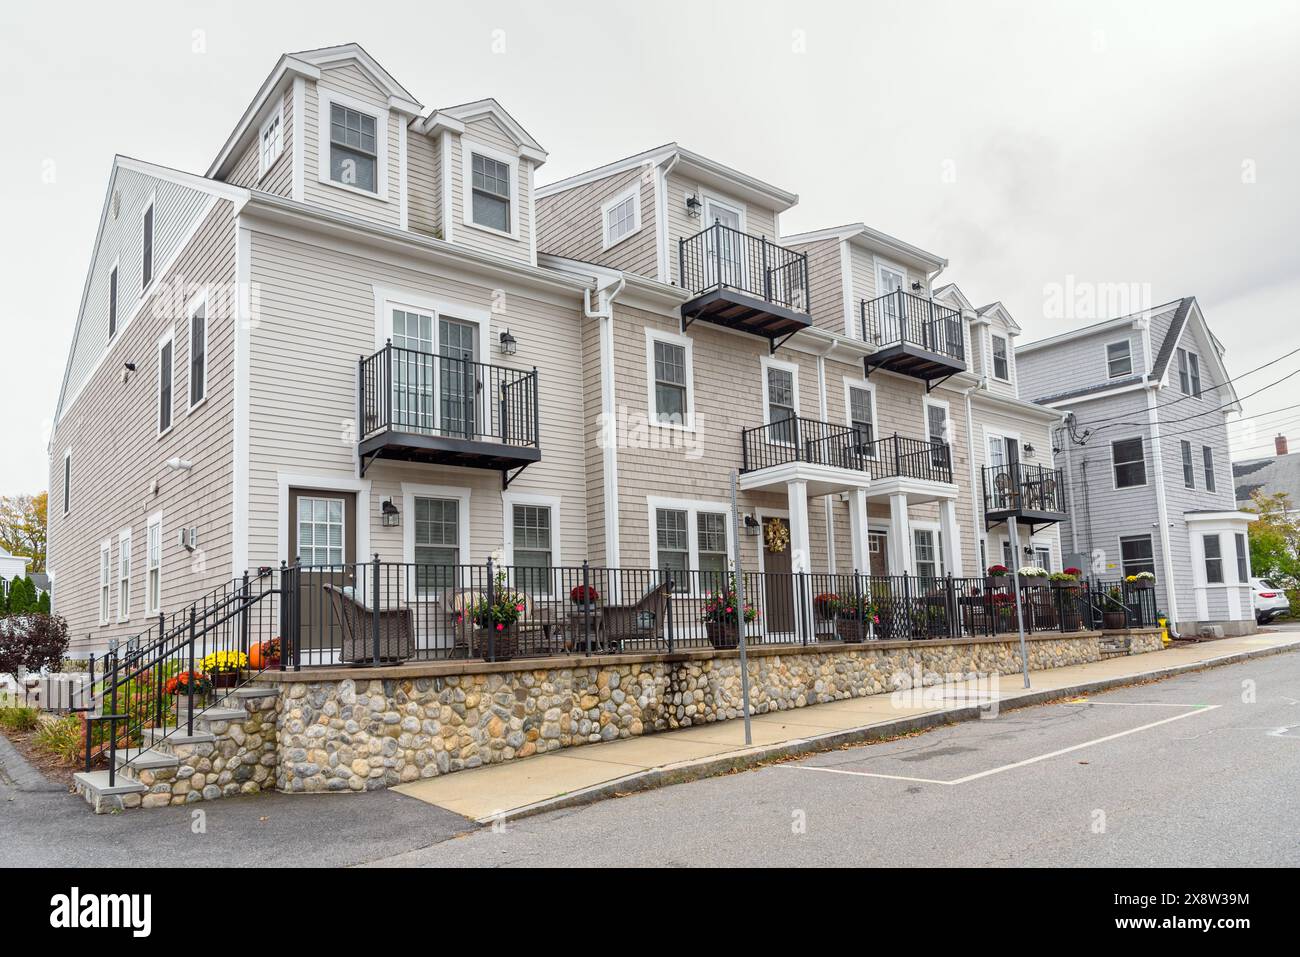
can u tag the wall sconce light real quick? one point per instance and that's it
(752, 525)
(391, 516)
(693, 206)
(508, 343)
(1029, 450)
(916, 285)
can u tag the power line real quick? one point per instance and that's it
(1198, 415)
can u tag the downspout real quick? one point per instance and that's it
(1162, 506)
(608, 436)
(827, 503)
(977, 504)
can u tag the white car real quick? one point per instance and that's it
(1270, 601)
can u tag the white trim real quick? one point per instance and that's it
(760, 513)
(67, 480)
(198, 299)
(993, 358)
(663, 267)
(768, 362)
(413, 490)
(324, 98)
(949, 437)
(1106, 349)
(152, 596)
(167, 338)
(298, 142)
(106, 580)
(868, 386)
(124, 608)
(532, 215)
(1146, 476)
(402, 214)
(468, 147)
(609, 440)
(508, 502)
(846, 291)
(915, 525)
(527, 147)
(880, 263)
(388, 298)
(239, 411)
(114, 303)
(721, 199)
(444, 157)
(147, 287)
(633, 193)
(327, 483)
(692, 507)
(264, 163)
(652, 336)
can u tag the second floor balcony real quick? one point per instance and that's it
(1031, 494)
(804, 441)
(744, 282)
(913, 336)
(446, 410)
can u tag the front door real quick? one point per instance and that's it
(724, 251)
(878, 553)
(1004, 456)
(322, 537)
(413, 349)
(892, 283)
(458, 377)
(778, 584)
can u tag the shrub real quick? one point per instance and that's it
(33, 643)
(19, 719)
(63, 737)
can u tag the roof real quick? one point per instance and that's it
(701, 167)
(1278, 474)
(455, 118)
(863, 233)
(1166, 351)
(1095, 327)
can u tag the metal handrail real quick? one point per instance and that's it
(721, 257)
(901, 318)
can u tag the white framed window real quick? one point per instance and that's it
(780, 400)
(124, 575)
(927, 552)
(354, 144)
(1189, 373)
(1243, 558)
(1001, 362)
(621, 216)
(1128, 461)
(153, 566)
(938, 430)
(146, 246)
(1189, 473)
(67, 480)
(1207, 459)
(270, 140)
(1043, 557)
(436, 536)
(166, 380)
(198, 313)
(670, 377)
(105, 578)
(688, 535)
(860, 412)
(532, 524)
(1212, 546)
(488, 180)
(112, 302)
(1136, 554)
(1119, 359)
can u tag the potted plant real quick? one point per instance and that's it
(1114, 612)
(584, 597)
(500, 617)
(265, 655)
(1143, 580)
(824, 605)
(183, 683)
(1004, 610)
(224, 667)
(1067, 580)
(719, 617)
(1032, 572)
(854, 618)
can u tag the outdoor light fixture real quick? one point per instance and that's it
(752, 525)
(392, 517)
(130, 367)
(508, 343)
(178, 464)
(693, 206)
(916, 285)
(1029, 450)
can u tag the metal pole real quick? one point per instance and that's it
(1015, 585)
(740, 612)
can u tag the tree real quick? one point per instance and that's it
(23, 526)
(17, 596)
(32, 643)
(1275, 539)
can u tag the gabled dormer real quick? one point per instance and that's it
(471, 179)
(993, 334)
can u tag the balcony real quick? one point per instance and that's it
(783, 445)
(913, 336)
(744, 282)
(442, 410)
(1028, 493)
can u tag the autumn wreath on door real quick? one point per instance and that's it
(776, 535)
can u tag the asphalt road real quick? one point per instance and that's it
(1184, 772)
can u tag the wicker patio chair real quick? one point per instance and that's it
(357, 623)
(643, 621)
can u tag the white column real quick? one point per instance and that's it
(800, 556)
(951, 533)
(900, 537)
(858, 524)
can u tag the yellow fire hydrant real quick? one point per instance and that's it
(1164, 632)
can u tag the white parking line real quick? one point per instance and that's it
(1198, 709)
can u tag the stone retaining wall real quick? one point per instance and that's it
(362, 729)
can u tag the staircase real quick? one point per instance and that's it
(145, 748)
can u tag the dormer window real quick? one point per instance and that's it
(1189, 373)
(1119, 359)
(271, 142)
(622, 216)
(353, 149)
(491, 192)
(1001, 367)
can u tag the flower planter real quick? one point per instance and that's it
(225, 679)
(1141, 586)
(1114, 620)
(852, 629)
(500, 645)
(722, 634)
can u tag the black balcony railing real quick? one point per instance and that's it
(419, 393)
(902, 319)
(800, 439)
(1017, 488)
(720, 257)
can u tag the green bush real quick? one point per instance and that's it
(19, 719)
(63, 737)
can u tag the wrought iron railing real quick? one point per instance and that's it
(801, 439)
(722, 257)
(404, 390)
(1023, 488)
(901, 318)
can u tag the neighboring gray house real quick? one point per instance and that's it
(1145, 455)
(1280, 473)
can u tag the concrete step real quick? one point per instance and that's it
(142, 759)
(175, 741)
(208, 715)
(124, 793)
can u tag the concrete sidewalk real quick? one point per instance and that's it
(591, 772)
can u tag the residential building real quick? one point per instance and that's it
(1279, 474)
(1145, 455)
(366, 331)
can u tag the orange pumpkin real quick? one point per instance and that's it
(259, 656)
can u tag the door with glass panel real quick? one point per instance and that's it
(413, 372)
(780, 406)
(1004, 457)
(893, 310)
(458, 377)
(724, 260)
(322, 537)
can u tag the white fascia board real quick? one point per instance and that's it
(651, 157)
(1019, 406)
(1119, 322)
(236, 194)
(278, 80)
(528, 146)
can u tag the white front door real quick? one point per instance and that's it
(724, 261)
(413, 370)
(892, 313)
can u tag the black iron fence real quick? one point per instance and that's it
(404, 390)
(901, 318)
(1023, 488)
(800, 439)
(722, 257)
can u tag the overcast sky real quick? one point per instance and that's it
(1033, 145)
